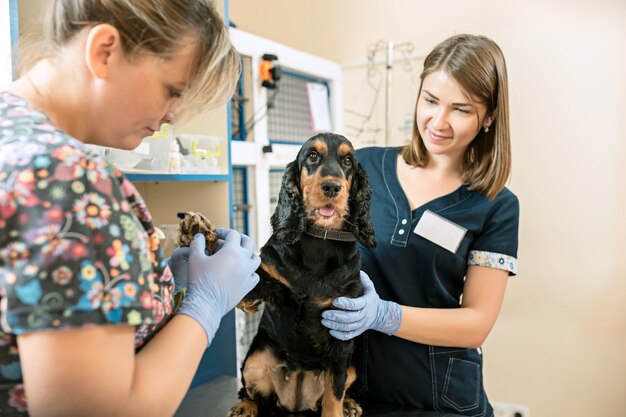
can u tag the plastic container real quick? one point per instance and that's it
(202, 154)
(173, 166)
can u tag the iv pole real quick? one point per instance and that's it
(388, 47)
(388, 85)
(406, 48)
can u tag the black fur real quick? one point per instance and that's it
(300, 273)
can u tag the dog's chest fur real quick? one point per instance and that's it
(316, 271)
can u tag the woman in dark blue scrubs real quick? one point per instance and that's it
(447, 231)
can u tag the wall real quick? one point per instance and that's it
(559, 341)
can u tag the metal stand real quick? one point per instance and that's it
(406, 49)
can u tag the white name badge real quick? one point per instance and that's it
(440, 231)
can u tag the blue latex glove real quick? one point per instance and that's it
(216, 283)
(363, 313)
(179, 265)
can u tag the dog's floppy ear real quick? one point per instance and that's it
(288, 220)
(360, 196)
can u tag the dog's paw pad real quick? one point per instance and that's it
(192, 222)
(245, 408)
(351, 408)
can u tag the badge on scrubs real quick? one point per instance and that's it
(440, 231)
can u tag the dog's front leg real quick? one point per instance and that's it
(334, 391)
(351, 408)
(269, 288)
(334, 402)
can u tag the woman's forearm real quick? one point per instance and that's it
(95, 371)
(455, 327)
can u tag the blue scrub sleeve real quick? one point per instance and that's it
(496, 245)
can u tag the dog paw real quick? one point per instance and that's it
(192, 222)
(249, 306)
(351, 408)
(244, 408)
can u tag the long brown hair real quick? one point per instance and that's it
(156, 27)
(477, 64)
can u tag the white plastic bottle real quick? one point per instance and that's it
(173, 166)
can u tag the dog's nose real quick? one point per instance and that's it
(331, 188)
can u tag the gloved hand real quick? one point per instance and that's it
(363, 313)
(178, 262)
(179, 265)
(216, 283)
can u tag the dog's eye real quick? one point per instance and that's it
(347, 161)
(313, 157)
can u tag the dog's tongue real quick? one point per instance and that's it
(327, 211)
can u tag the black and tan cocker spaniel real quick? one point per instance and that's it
(293, 364)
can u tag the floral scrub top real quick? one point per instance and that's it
(77, 244)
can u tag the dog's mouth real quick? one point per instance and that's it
(326, 211)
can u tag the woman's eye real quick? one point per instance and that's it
(175, 94)
(313, 157)
(347, 161)
(429, 101)
(461, 110)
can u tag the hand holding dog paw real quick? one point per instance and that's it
(179, 265)
(362, 313)
(216, 283)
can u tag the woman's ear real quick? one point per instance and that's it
(489, 119)
(103, 49)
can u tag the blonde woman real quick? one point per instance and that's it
(86, 296)
(446, 231)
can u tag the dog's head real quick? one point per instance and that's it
(326, 187)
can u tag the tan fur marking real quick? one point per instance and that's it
(331, 406)
(312, 390)
(307, 182)
(272, 272)
(265, 375)
(320, 146)
(244, 407)
(249, 306)
(351, 376)
(322, 302)
(257, 371)
(313, 198)
(286, 386)
(344, 149)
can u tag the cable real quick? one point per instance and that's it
(256, 117)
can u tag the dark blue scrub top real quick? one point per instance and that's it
(412, 271)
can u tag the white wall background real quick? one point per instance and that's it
(559, 342)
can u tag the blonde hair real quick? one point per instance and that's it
(477, 64)
(156, 27)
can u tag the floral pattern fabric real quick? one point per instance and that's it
(77, 243)
(493, 260)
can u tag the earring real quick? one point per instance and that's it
(486, 129)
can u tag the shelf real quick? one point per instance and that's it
(176, 177)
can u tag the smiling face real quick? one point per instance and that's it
(447, 119)
(326, 167)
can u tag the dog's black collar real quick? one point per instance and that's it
(330, 234)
